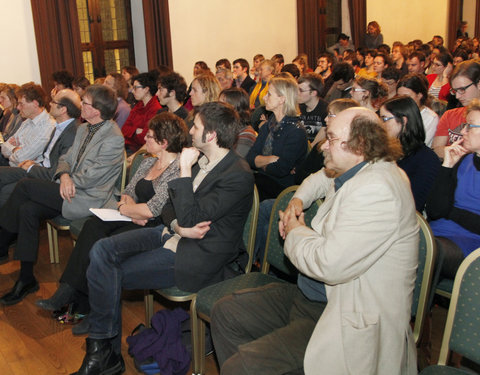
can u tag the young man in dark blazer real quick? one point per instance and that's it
(200, 243)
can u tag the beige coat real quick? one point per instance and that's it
(364, 246)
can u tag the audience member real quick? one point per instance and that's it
(313, 109)
(399, 56)
(171, 93)
(369, 92)
(242, 78)
(342, 76)
(380, 63)
(281, 144)
(368, 71)
(416, 87)
(142, 200)
(65, 108)
(373, 38)
(30, 139)
(442, 66)
(367, 274)
(292, 69)
(465, 83)
(80, 85)
(62, 79)
(279, 62)
(87, 175)
(255, 70)
(459, 56)
(266, 71)
(239, 100)
(401, 119)
(11, 119)
(343, 43)
(209, 207)
(136, 126)
(454, 205)
(416, 62)
(390, 77)
(223, 64)
(225, 78)
(128, 72)
(118, 84)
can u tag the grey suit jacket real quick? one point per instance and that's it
(95, 174)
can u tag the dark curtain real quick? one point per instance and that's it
(157, 33)
(454, 18)
(309, 28)
(477, 19)
(358, 20)
(57, 34)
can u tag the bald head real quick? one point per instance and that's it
(66, 104)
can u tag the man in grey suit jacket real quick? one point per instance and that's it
(84, 178)
(350, 310)
(65, 109)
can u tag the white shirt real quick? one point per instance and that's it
(430, 122)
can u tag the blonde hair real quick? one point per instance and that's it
(286, 86)
(209, 85)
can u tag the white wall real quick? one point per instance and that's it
(406, 20)
(469, 9)
(213, 29)
(19, 60)
(138, 26)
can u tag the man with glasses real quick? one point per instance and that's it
(31, 138)
(357, 267)
(65, 108)
(84, 178)
(312, 107)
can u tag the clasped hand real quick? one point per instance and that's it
(291, 218)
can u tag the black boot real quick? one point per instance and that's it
(64, 295)
(100, 359)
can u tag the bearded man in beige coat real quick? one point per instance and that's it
(358, 261)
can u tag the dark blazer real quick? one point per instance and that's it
(62, 145)
(225, 198)
(247, 84)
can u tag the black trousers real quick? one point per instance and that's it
(94, 229)
(31, 202)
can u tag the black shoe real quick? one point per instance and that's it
(20, 291)
(63, 296)
(4, 258)
(81, 328)
(101, 359)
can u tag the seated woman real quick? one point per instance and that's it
(266, 69)
(373, 38)
(401, 118)
(136, 126)
(367, 70)
(369, 92)
(11, 119)
(118, 84)
(416, 86)
(442, 66)
(281, 144)
(238, 98)
(454, 204)
(142, 201)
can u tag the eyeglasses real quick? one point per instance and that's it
(460, 90)
(387, 118)
(137, 87)
(468, 126)
(331, 115)
(302, 90)
(358, 89)
(57, 103)
(85, 103)
(331, 139)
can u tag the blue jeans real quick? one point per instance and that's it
(264, 213)
(130, 260)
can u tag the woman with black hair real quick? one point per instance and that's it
(136, 126)
(439, 85)
(401, 118)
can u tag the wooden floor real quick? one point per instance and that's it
(31, 342)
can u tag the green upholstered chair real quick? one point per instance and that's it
(462, 329)
(203, 302)
(176, 295)
(427, 252)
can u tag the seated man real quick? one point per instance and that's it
(171, 93)
(350, 313)
(210, 203)
(30, 139)
(240, 73)
(65, 109)
(85, 178)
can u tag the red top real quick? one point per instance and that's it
(449, 124)
(136, 126)
(445, 89)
